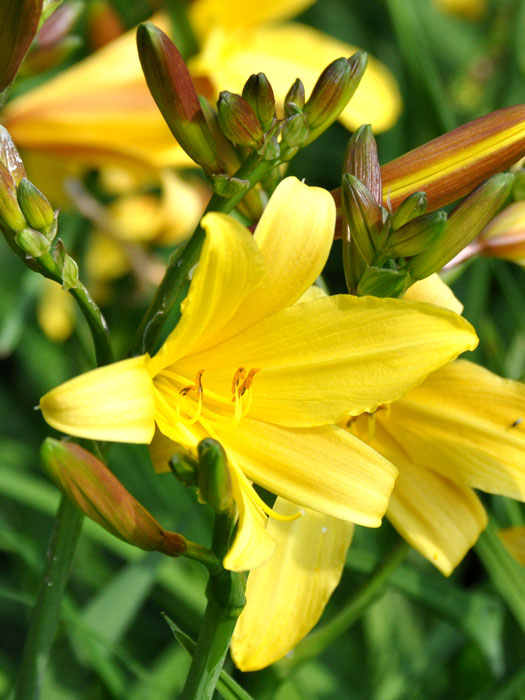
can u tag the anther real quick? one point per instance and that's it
(238, 377)
(248, 381)
(196, 386)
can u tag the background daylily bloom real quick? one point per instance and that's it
(267, 377)
(456, 431)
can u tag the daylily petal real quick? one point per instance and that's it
(437, 517)
(114, 403)
(289, 51)
(206, 14)
(294, 235)
(286, 596)
(327, 358)
(433, 290)
(253, 545)
(514, 540)
(229, 268)
(294, 464)
(466, 423)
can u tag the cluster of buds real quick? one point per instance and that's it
(220, 140)
(393, 235)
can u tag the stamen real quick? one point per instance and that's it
(248, 381)
(238, 377)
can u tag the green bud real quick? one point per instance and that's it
(259, 94)
(467, 220)
(226, 186)
(67, 266)
(238, 121)
(18, 25)
(184, 467)
(98, 493)
(363, 216)
(295, 98)
(412, 207)
(32, 242)
(294, 131)
(225, 149)
(10, 213)
(214, 478)
(10, 157)
(34, 205)
(417, 236)
(361, 160)
(332, 92)
(172, 89)
(353, 264)
(381, 282)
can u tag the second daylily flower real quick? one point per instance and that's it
(268, 377)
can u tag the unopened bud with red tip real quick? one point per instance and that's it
(172, 89)
(258, 92)
(215, 486)
(11, 215)
(10, 157)
(361, 160)
(363, 216)
(467, 220)
(295, 98)
(238, 121)
(35, 206)
(417, 235)
(412, 207)
(18, 25)
(99, 494)
(332, 92)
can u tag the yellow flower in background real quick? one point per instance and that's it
(56, 312)
(269, 377)
(504, 236)
(458, 430)
(514, 540)
(466, 9)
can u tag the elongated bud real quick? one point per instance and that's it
(417, 236)
(412, 207)
(34, 205)
(58, 26)
(464, 224)
(238, 121)
(32, 242)
(10, 213)
(259, 94)
(504, 236)
(184, 467)
(214, 478)
(363, 215)
(294, 130)
(332, 92)
(381, 282)
(18, 26)
(10, 157)
(172, 89)
(295, 98)
(361, 160)
(99, 494)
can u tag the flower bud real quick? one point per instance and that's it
(34, 205)
(67, 266)
(18, 26)
(412, 207)
(238, 121)
(417, 235)
(332, 92)
(184, 467)
(214, 478)
(259, 94)
(59, 25)
(467, 220)
(10, 157)
(361, 160)
(363, 216)
(32, 242)
(294, 130)
(10, 213)
(99, 494)
(295, 98)
(381, 282)
(172, 89)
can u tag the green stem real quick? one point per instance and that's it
(315, 643)
(46, 611)
(181, 30)
(176, 275)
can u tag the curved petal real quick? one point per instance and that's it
(114, 403)
(229, 268)
(294, 235)
(433, 290)
(324, 469)
(437, 517)
(466, 423)
(327, 358)
(205, 14)
(286, 596)
(288, 51)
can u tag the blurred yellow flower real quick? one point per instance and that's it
(514, 540)
(504, 237)
(56, 312)
(466, 9)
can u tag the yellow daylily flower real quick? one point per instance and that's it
(267, 377)
(453, 432)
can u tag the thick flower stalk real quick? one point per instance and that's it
(267, 377)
